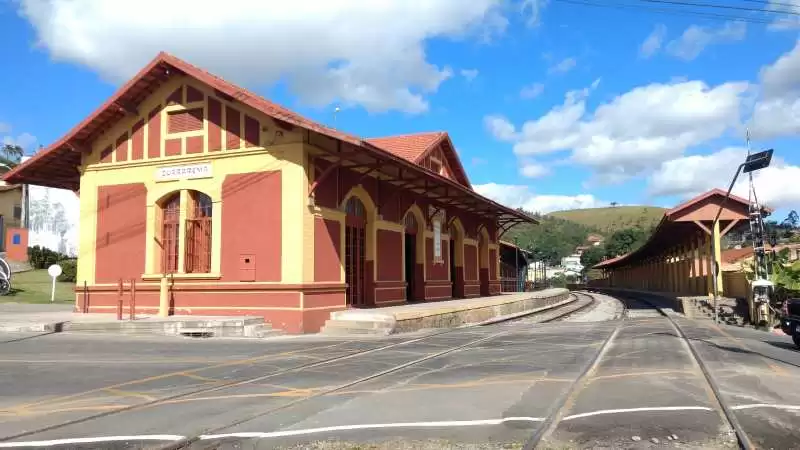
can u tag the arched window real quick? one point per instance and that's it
(170, 232)
(410, 222)
(198, 233)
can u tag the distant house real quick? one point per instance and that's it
(595, 239)
(737, 259)
(10, 209)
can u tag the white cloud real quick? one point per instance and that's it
(532, 91)
(469, 74)
(517, 196)
(563, 66)
(25, 140)
(535, 7)
(534, 170)
(653, 42)
(691, 175)
(355, 52)
(696, 38)
(634, 132)
(777, 111)
(500, 128)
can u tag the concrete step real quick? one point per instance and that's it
(222, 327)
(261, 330)
(343, 327)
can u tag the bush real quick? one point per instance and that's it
(43, 257)
(69, 270)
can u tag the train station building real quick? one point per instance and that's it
(681, 255)
(219, 202)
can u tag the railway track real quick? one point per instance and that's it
(550, 315)
(561, 406)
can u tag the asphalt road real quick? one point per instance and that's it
(486, 387)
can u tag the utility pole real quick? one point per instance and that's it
(753, 162)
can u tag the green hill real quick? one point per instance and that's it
(608, 220)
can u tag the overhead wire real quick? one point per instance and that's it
(721, 6)
(684, 12)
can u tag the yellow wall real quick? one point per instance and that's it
(8, 200)
(278, 150)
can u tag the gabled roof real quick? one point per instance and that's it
(409, 146)
(416, 146)
(714, 192)
(57, 165)
(670, 229)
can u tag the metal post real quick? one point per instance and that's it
(516, 265)
(119, 300)
(714, 227)
(132, 311)
(85, 308)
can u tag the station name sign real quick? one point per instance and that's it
(183, 172)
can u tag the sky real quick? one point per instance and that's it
(551, 104)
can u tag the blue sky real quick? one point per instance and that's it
(550, 104)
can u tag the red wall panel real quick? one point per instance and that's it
(251, 225)
(233, 127)
(121, 225)
(154, 133)
(470, 263)
(390, 255)
(137, 141)
(327, 259)
(214, 124)
(121, 152)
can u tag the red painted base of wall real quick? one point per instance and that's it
(283, 309)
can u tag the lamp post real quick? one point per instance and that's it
(753, 163)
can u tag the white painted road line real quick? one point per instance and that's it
(374, 426)
(91, 440)
(371, 426)
(629, 410)
(767, 405)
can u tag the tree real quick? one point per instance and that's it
(592, 256)
(10, 155)
(625, 241)
(792, 220)
(551, 240)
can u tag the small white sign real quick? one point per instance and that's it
(183, 172)
(54, 270)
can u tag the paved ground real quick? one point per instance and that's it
(485, 387)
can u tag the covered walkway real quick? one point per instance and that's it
(679, 256)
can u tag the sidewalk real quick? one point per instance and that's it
(55, 318)
(442, 314)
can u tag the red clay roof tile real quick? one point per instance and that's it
(408, 146)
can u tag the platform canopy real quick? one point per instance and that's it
(58, 165)
(681, 223)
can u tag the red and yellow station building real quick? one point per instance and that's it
(219, 202)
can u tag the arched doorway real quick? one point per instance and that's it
(410, 263)
(355, 251)
(456, 245)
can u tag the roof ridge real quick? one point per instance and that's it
(395, 136)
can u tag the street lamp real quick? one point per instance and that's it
(753, 163)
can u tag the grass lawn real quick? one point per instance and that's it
(34, 287)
